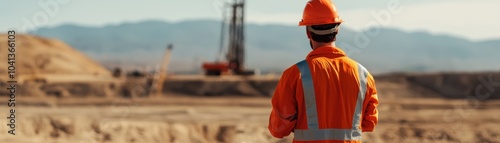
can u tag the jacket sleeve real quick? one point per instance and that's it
(284, 113)
(370, 117)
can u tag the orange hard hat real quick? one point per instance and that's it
(319, 12)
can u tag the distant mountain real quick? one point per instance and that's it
(274, 47)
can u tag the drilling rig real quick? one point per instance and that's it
(234, 58)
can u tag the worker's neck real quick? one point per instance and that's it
(316, 45)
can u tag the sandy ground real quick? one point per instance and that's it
(183, 119)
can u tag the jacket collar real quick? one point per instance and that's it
(326, 50)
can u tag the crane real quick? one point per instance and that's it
(161, 76)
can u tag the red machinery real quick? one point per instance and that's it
(216, 68)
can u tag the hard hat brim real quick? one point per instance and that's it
(320, 22)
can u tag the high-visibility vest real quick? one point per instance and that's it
(314, 133)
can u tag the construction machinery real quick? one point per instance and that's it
(157, 81)
(234, 57)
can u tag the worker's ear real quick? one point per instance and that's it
(308, 34)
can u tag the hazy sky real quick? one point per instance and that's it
(472, 19)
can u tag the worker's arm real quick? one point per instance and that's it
(370, 116)
(284, 113)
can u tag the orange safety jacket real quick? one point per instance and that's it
(326, 98)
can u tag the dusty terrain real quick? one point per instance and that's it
(447, 108)
(235, 119)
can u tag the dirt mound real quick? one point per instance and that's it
(481, 86)
(37, 55)
(225, 85)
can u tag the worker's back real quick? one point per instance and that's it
(326, 98)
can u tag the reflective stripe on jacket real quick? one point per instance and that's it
(326, 98)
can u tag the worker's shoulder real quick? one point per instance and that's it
(358, 65)
(344, 61)
(362, 68)
(291, 73)
(292, 69)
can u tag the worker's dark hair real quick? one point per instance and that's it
(324, 38)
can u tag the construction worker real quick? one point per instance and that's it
(327, 97)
